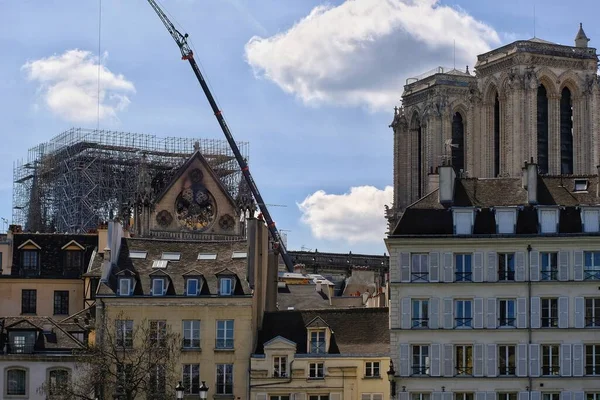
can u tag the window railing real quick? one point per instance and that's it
(592, 321)
(420, 370)
(551, 275)
(550, 322)
(463, 276)
(592, 369)
(506, 321)
(592, 274)
(550, 370)
(506, 275)
(420, 322)
(464, 370)
(24, 348)
(224, 343)
(191, 343)
(419, 277)
(464, 322)
(510, 370)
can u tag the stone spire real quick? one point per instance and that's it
(581, 40)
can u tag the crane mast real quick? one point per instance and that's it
(188, 54)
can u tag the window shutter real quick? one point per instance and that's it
(521, 312)
(434, 267)
(578, 265)
(436, 349)
(448, 396)
(565, 395)
(563, 312)
(480, 396)
(404, 365)
(490, 396)
(448, 315)
(534, 266)
(448, 267)
(522, 359)
(261, 396)
(335, 396)
(520, 266)
(535, 312)
(478, 267)
(579, 312)
(535, 396)
(406, 313)
(565, 360)
(448, 360)
(491, 313)
(436, 396)
(405, 396)
(590, 220)
(578, 396)
(563, 265)
(478, 358)
(492, 365)
(478, 313)
(523, 395)
(434, 313)
(578, 359)
(534, 360)
(404, 267)
(492, 267)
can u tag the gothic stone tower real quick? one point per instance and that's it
(531, 99)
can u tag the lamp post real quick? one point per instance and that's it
(203, 390)
(179, 390)
(391, 375)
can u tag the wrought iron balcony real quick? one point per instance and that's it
(551, 275)
(507, 370)
(464, 322)
(506, 321)
(420, 322)
(592, 321)
(550, 322)
(550, 370)
(463, 276)
(592, 274)
(506, 275)
(420, 370)
(419, 277)
(464, 370)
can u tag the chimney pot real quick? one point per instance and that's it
(447, 180)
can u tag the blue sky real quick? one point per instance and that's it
(311, 85)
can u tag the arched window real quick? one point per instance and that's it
(16, 382)
(458, 141)
(566, 132)
(542, 129)
(496, 136)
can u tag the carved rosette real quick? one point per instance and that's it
(164, 218)
(226, 222)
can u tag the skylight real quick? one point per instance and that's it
(170, 256)
(159, 264)
(239, 254)
(581, 185)
(138, 254)
(207, 256)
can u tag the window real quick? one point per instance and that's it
(280, 397)
(73, 259)
(317, 341)
(191, 378)
(550, 359)
(226, 286)
(61, 302)
(507, 312)
(592, 396)
(191, 334)
(505, 221)
(550, 396)
(464, 360)
(507, 396)
(420, 360)
(419, 268)
(591, 219)
(464, 313)
(224, 378)
(158, 332)
(372, 369)
(371, 396)
(125, 287)
(419, 396)
(28, 301)
(315, 370)
(140, 254)
(160, 264)
(30, 262)
(158, 380)
(225, 334)
(420, 313)
(592, 359)
(592, 312)
(548, 221)
(124, 328)
(463, 222)
(124, 374)
(581, 185)
(16, 382)
(463, 272)
(239, 254)
(21, 342)
(170, 256)
(549, 313)
(506, 360)
(318, 397)
(207, 256)
(549, 268)
(464, 396)
(280, 366)
(58, 381)
(592, 265)
(158, 287)
(191, 287)
(506, 267)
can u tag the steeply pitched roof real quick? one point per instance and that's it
(55, 339)
(302, 297)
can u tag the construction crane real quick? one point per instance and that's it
(188, 54)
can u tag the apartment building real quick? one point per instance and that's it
(495, 290)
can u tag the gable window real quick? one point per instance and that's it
(592, 265)
(61, 302)
(464, 313)
(226, 286)
(506, 360)
(279, 367)
(124, 333)
(315, 370)
(317, 341)
(548, 221)
(158, 287)
(420, 313)
(419, 268)
(463, 222)
(158, 332)
(507, 312)
(592, 359)
(372, 369)
(550, 359)
(21, 342)
(73, 259)
(506, 267)
(462, 265)
(58, 381)
(505, 221)
(28, 301)
(592, 312)
(16, 382)
(191, 334)
(464, 360)
(549, 313)
(420, 360)
(191, 287)
(224, 378)
(191, 378)
(549, 269)
(125, 287)
(30, 262)
(590, 219)
(225, 334)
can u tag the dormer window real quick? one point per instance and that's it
(506, 220)
(279, 367)
(125, 287)
(226, 286)
(548, 220)
(73, 259)
(581, 185)
(463, 221)
(590, 218)
(317, 341)
(192, 286)
(21, 342)
(158, 287)
(30, 261)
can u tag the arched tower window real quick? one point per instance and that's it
(458, 140)
(566, 132)
(542, 129)
(496, 136)
(420, 159)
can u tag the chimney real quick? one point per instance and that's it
(433, 181)
(531, 181)
(318, 286)
(447, 180)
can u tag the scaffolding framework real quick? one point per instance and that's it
(83, 177)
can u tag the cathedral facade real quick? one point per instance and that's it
(528, 100)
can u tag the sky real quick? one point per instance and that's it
(311, 85)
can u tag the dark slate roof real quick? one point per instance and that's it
(355, 331)
(301, 297)
(208, 270)
(316, 259)
(428, 217)
(56, 340)
(52, 257)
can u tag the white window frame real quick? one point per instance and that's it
(591, 269)
(462, 274)
(280, 367)
(372, 369)
(464, 396)
(420, 359)
(420, 396)
(129, 286)
(227, 372)
(590, 219)
(504, 353)
(594, 368)
(124, 333)
(548, 266)
(551, 396)
(463, 221)
(462, 319)
(170, 256)
(158, 331)
(206, 256)
(318, 346)
(187, 287)
(506, 266)
(592, 304)
(548, 313)
(508, 396)
(592, 395)
(420, 273)
(227, 327)
(188, 384)
(191, 333)
(163, 287)
(138, 254)
(223, 289)
(462, 359)
(371, 396)
(316, 370)
(550, 359)
(510, 320)
(548, 219)
(420, 313)
(506, 220)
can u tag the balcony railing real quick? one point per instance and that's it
(464, 370)
(592, 321)
(550, 322)
(506, 275)
(506, 321)
(420, 277)
(550, 370)
(420, 370)
(592, 369)
(592, 274)
(420, 322)
(551, 275)
(504, 370)
(464, 322)
(464, 276)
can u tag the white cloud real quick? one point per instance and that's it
(362, 51)
(357, 216)
(69, 86)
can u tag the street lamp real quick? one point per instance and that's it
(203, 390)
(179, 389)
(391, 374)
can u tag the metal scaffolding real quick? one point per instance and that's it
(84, 177)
